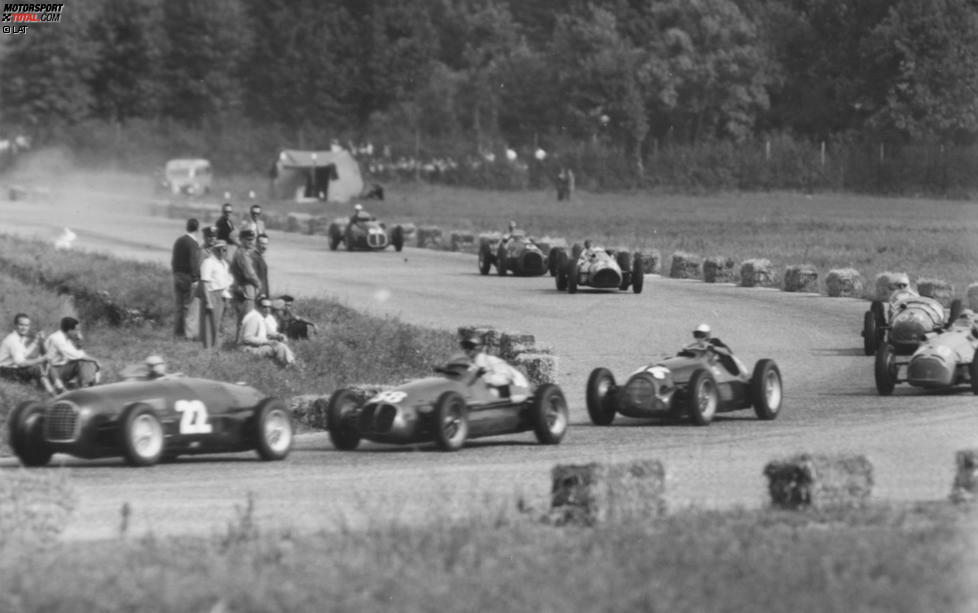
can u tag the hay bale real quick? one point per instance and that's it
(538, 367)
(462, 241)
(844, 283)
(718, 268)
(882, 285)
(758, 272)
(685, 266)
(410, 232)
(651, 261)
(276, 221)
(965, 486)
(319, 225)
(972, 297)
(801, 278)
(938, 289)
(309, 410)
(591, 494)
(297, 222)
(429, 236)
(513, 344)
(819, 481)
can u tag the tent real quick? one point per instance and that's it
(331, 175)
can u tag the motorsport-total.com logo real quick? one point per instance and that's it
(18, 17)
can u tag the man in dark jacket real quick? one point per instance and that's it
(261, 266)
(225, 225)
(247, 285)
(185, 264)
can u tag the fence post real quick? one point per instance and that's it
(767, 150)
(822, 156)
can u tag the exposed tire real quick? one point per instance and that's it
(879, 312)
(141, 436)
(26, 426)
(702, 397)
(340, 419)
(553, 260)
(485, 260)
(638, 275)
(870, 333)
(576, 250)
(766, 389)
(501, 260)
(957, 307)
(885, 369)
(335, 237)
(571, 273)
(348, 239)
(549, 414)
(397, 238)
(601, 396)
(273, 430)
(973, 371)
(451, 421)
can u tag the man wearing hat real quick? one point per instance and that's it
(247, 285)
(215, 281)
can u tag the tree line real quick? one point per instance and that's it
(456, 77)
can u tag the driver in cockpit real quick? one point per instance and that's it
(703, 339)
(504, 380)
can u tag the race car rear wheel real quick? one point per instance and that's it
(702, 397)
(623, 263)
(879, 311)
(886, 369)
(501, 261)
(561, 267)
(26, 426)
(549, 415)
(638, 275)
(870, 333)
(485, 260)
(973, 372)
(451, 421)
(601, 396)
(334, 238)
(571, 271)
(397, 238)
(341, 419)
(553, 260)
(141, 436)
(957, 307)
(766, 390)
(273, 430)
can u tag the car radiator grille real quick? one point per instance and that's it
(532, 263)
(606, 278)
(377, 418)
(61, 422)
(377, 239)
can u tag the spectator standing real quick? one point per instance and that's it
(185, 264)
(261, 265)
(22, 356)
(246, 281)
(253, 221)
(255, 337)
(70, 365)
(215, 283)
(225, 225)
(565, 183)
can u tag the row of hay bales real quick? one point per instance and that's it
(521, 350)
(599, 493)
(755, 272)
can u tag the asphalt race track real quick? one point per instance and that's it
(830, 403)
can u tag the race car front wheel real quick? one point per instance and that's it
(549, 414)
(340, 415)
(885, 369)
(766, 389)
(601, 391)
(26, 426)
(273, 429)
(703, 398)
(451, 421)
(973, 372)
(142, 436)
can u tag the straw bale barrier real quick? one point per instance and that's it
(844, 283)
(538, 363)
(410, 232)
(685, 265)
(819, 481)
(718, 268)
(651, 261)
(490, 336)
(429, 236)
(801, 278)
(758, 272)
(276, 221)
(462, 241)
(297, 222)
(972, 297)
(938, 289)
(882, 285)
(309, 410)
(965, 485)
(591, 494)
(511, 345)
(538, 367)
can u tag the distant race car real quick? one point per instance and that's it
(943, 360)
(598, 268)
(904, 320)
(148, 421)
(518, 255)
(696, 382)
(448, 409)
(366, 235)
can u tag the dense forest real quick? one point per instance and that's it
(631, 92)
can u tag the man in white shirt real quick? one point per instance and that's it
(255, 336)
(215, 284)
(70, 365)
(21, 355)
(502, 379)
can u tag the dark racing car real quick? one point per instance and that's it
(698, 382)
(146, 421)
(517, 254)
(364, 235)
(448, 409)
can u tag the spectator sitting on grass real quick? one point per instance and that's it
(255, 337)
(70, 365)
(294, 327)
(22, 356)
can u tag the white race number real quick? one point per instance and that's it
(389, 397)
(193, 419)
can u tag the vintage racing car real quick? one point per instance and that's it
(517, 254)
(698, 382)
(598, 268)
(904, 320)
(448, 409)
(148, 421)
(942, 360)
(364, 235)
